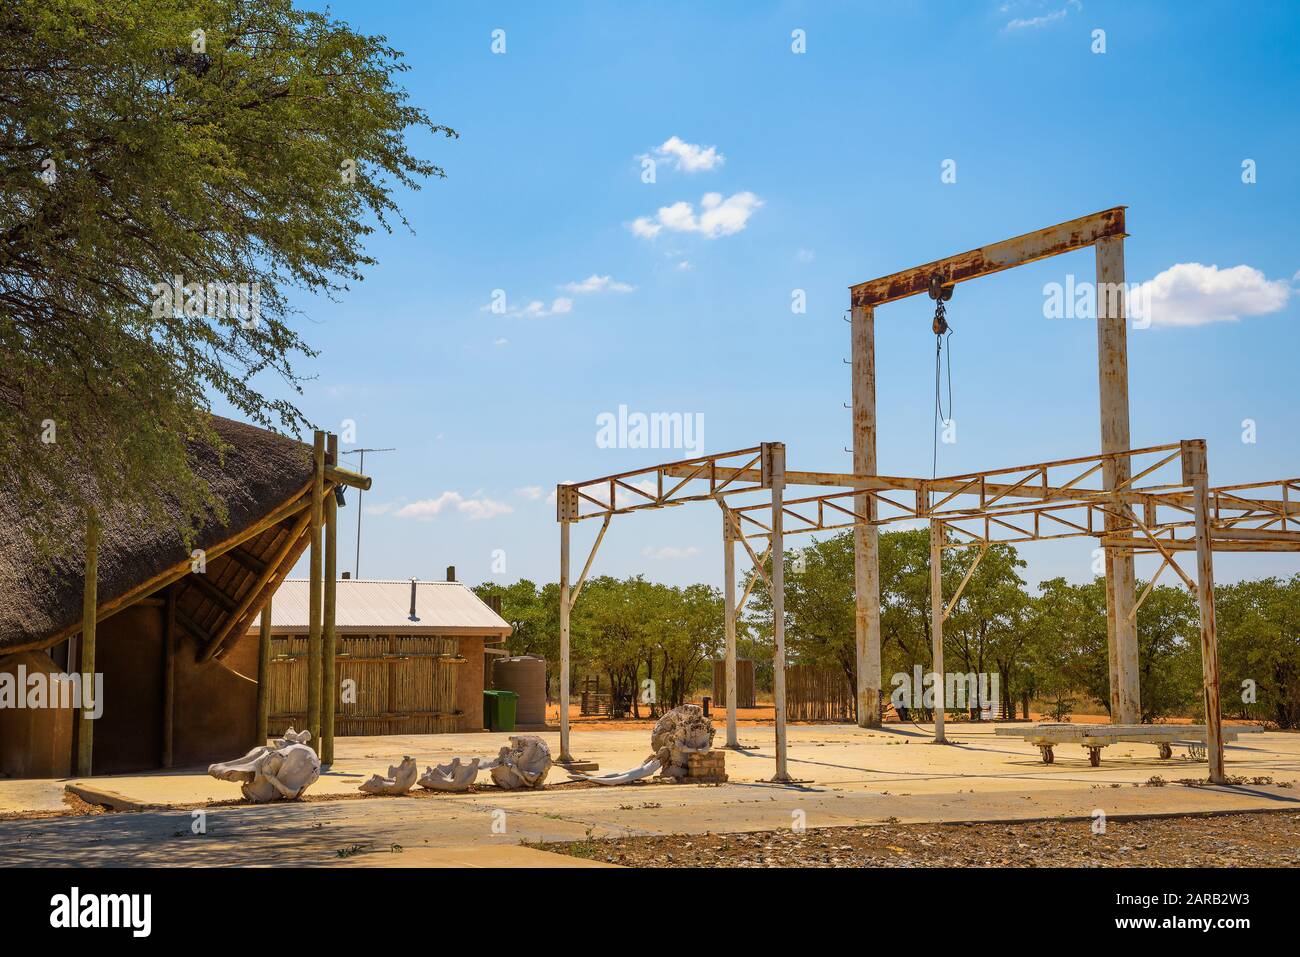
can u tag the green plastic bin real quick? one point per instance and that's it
(499, 710)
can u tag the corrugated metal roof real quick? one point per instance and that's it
(383, 607)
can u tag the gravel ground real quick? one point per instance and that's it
(1270, 839)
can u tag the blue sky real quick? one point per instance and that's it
(827, 171)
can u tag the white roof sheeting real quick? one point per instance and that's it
(383, 607)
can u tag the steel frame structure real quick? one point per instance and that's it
(1095, 496)
(716, 477)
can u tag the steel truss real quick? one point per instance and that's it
(1130, 500)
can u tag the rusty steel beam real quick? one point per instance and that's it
(1040, 244)
(600, 496)
(884, 483)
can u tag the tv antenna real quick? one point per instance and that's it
(361, 467)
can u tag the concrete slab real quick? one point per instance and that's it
(361, 833)
(857, 777)
(19, 796)
(897, 759)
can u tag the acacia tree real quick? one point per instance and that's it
(619, 617)
(1259, 648)
(534, 617)
(691, 637)
(226, 147)
(987, 623)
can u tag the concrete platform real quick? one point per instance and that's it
(895, 759)
(857, 777)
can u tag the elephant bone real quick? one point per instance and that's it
(677, 734)
(647, 768)
(524, 763)
(400, 779)
(456, 776)
(283, 769)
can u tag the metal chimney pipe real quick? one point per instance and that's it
(451, 573)
(413, 616)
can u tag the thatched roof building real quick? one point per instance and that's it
(159, 604)
(262, 472)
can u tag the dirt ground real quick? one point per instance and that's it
(745, 717)
(765, 714)
(1224, 840)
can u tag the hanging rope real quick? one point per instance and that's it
(942, 338)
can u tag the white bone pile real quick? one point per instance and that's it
(282, 770)
(677, 734)
(456, 776)
(522, 764)
(647, 768)
(400, 779)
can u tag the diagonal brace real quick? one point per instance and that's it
(582, 579)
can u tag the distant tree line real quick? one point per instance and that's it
(1048, 647)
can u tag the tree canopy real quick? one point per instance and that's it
(169, 171)
(1048, 647)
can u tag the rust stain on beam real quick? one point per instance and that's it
(1040, 244)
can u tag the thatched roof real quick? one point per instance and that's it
(40, 599)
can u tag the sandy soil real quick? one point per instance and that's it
(766, 715)
(1223, 840)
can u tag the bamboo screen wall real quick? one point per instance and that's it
(744, 683)
(818, 693)
(403, 685)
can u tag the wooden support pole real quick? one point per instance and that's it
(777, 471)
(565, 755)
(169, 680)
(86, 657)
(1195, 469)
(1121, 588)
(729, 622)
(314, 591)
(936, 626)
(866, 543)
(329, 688)
(260, 733)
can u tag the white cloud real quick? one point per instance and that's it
(594, 283)
(500, 341)
(474, 508)
(689, 157)
(539, 310)
(478, 508)
(685, 265)
(805, 255)
(1040, 20)
(534, 309)
(1022, 23)
(1191, 294)
(716, 217)
(530, 492)
(645, 228)
(670, 553)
